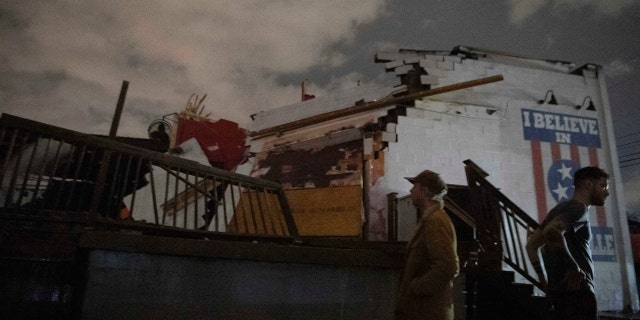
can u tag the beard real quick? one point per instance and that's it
(418, 203)
(597, 200)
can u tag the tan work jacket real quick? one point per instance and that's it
(432, 264)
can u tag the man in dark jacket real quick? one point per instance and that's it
(563, 239)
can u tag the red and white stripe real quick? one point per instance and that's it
(543, 154)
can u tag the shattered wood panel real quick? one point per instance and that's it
(322, 182)
(187, 197)
(333, 211)
(258, 213)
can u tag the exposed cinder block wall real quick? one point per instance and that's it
(484, 124)
(444, 130)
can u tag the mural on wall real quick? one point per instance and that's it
(323, 184)
(602, 244)
(557, 142)
(560, 128)
(560, 179)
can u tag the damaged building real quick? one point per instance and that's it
(528, 124)
(314, 225)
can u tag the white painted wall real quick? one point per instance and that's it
(442, 131)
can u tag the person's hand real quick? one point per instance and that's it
(573, 279)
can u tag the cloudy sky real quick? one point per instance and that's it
(63, 62)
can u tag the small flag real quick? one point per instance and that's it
(306, 96)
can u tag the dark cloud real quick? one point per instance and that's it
(10, 21)
(64, 62)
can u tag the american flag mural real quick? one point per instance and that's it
(560, 145)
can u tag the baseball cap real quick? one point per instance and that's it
(430, 180)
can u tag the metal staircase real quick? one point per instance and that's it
(501, 230)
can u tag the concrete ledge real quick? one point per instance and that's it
(386, 256)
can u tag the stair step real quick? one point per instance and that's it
(508, 276)
(521, 289)
(495, 296)
(607, 315)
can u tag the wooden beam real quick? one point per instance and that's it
(116, 116)
(372, 105)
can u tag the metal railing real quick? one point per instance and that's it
(500, 221)
(47, 171)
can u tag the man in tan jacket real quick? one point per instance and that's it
(432, 260)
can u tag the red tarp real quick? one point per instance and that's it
(223, 141)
